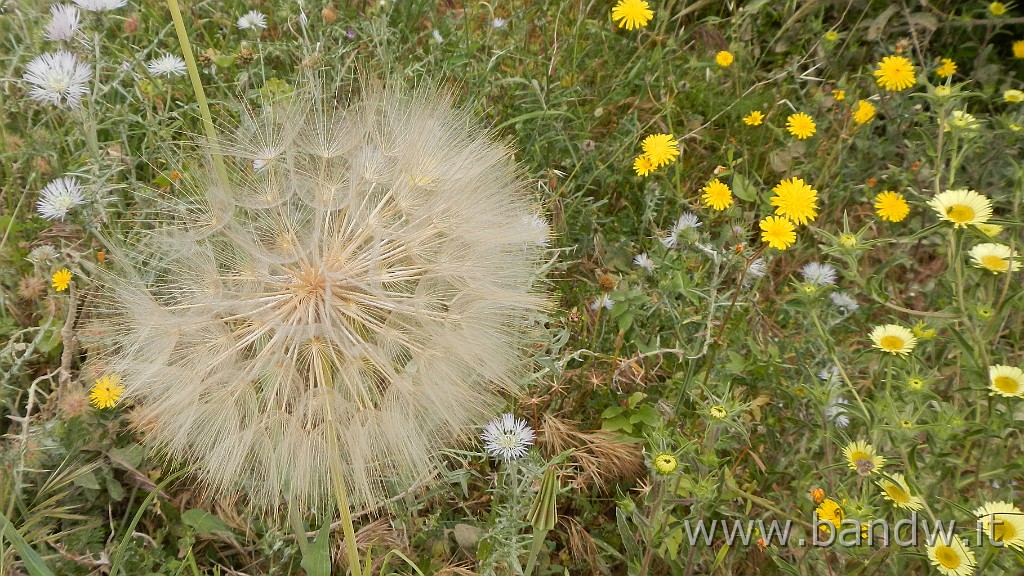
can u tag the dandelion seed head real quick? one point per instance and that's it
(318, 308)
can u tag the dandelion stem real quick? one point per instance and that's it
(197, 86)
(354, 566)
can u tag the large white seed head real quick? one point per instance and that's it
(366, 280)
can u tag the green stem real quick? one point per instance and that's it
(354, 565)
(197, 86)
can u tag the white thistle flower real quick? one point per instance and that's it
(818, 274)
(63, 24)
(58, 78)
(253, 20)
(499, 23)
(437, 36)
(644, 261)
(364, 300)
(100, 5)
(687, 221)
(168, 65)
(844, 302)
(829, 375)
(42, 254)
(59, 197)
(603, 301)
(508, 438)
(669, 240)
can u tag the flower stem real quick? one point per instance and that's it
(354, 565)
(197, 86)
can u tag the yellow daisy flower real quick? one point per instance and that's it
(795, 200)
(106, 391)
(778, 232)
(718, 412)
(864, 112)
(717, 195)
(943, 91)
(839, 95)
(895, 73)
(1006, 381)
(861, 457)
(61, 279)
(661, 149)
(1002, 522)
(990, 230)
(891, 206)
(1018, 48)
(632, 14)
(1013, 96)
(831, 36)
(724, 59)
(947, 68)
(800, 125)
(962, 207)
(830, 511)
(995, 258)
(894, 339)
(665, 464)
(754, 118)
(895, 490)
(643, 165)
(953, 559)
(997, 8)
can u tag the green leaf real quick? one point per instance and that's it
(204, 523)
(617, 423)
(316, 561)
(646, 414)
(87, 480)
(743, 189)
(628, 542)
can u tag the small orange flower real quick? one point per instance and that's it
(817, 495)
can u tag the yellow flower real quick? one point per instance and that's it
(106, 391)
(717, 195)
(961, 120)
(724, 58)
(830, 511)
(778, 232)
(962, 207)
(922, 331)
(861, 456)
(839, 95)
(1003, 522)
(1018, 48)
(997, 8)
(1006, 381)
(795, 200)
(894, 339)
(895, 73)
(661, 149)
(831, 36)
(665, 463)
(895, 490)
(718, 412)
(631, 14)
(61, 278)
(891, 206)
(943, 91)
(643, 166)
(953, 559)
(990, 230)
(946, 69)
(1013, 96)
(800, 125)
(995, 258)
(848, 241)
(754, 118)
(864, 112)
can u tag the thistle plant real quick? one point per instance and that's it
(352, 293)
